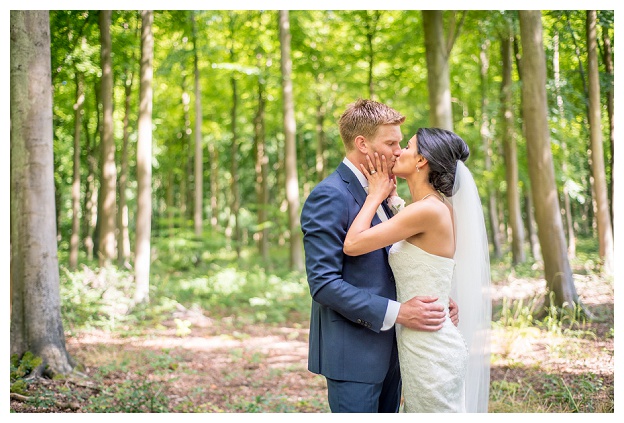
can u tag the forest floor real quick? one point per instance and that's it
(224, 365)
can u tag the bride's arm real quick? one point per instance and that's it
(361, 237)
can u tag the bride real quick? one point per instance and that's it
(439, 248)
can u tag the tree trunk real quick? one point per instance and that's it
(187, 155)
(78, 111)
(510, 150)
(536, 251)
(198, 215)
(107, 204)
(564, 162)
(438, 49)
(292, 180)
(262, 170)
(123, 240)
(214, 184)
(144, 161)
(321, 149)
(608, 61)
(558, 273)
(91, 195)
(486, 141)
(603, 216)
(371, 29)
(234, 169)
(438, 79)
(235, 205)
(36, 324)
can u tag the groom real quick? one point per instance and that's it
(352, 338)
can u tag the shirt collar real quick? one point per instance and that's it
(357, 172)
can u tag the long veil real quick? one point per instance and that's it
(471, 287)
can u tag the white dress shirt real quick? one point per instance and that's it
(393, 306)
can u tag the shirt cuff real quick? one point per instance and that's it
(392, 312)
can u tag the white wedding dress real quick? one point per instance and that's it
(433, 364)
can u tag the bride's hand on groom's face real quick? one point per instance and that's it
(379, 181)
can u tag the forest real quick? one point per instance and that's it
(159, 161)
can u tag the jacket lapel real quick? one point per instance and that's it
(357, 190)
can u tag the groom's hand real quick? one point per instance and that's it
(422, 313)
(453, 312)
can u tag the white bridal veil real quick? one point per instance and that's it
(471, 287)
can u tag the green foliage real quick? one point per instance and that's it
(20, 368)
(132, 396)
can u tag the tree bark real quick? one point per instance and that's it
(564, 163)
(510, 150)
(235, 205)
(78, 111)
(262, 168)
(486, 141)
(603, 216)
(321, 148)
(107, 204)
(608, 61)
(558, 273)
(123, 240)
(536, 251)
(198, 215)
(36, 324)
(438, 77)
(91, 195)
(187, 156)
(144, 162)
(370, 23)
(292, 180)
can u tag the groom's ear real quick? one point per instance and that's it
(361, 144)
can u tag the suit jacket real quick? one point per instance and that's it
(349, 294)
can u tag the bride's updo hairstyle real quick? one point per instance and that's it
(442, 149)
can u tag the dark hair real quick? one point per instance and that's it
(442, 149)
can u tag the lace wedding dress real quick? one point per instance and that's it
(433, 364)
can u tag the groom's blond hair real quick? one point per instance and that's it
(364, 117)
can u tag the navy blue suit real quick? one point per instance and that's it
(349, 294)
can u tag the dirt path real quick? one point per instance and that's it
(225, 366)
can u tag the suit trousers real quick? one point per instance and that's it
(358, 397)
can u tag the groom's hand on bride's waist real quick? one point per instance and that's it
(422, 313)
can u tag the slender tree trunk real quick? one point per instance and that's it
(36, 323)
(558, 272)
(91, 195)
(170, 203)
(438, 79)
(608, 61)
(321, 149)
(603, 216)
(198, 215)
(187, 155)
(214, 184)
(144, 162)
(107, 205)
(487, 150)
(123, 240)
(536, 251)
(292, 180)
(510, 150)
(370, 23)
(78, 111)
(564, 163)
(262, 170)
(438, 49)
(234, 150)
(234, 169)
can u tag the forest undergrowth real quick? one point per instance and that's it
(222, 339)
